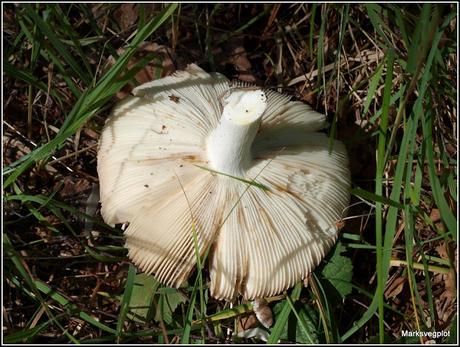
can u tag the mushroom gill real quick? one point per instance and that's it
(151, 157)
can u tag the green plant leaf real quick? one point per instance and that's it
(452, 338)
(301, 325)
(144, 307)
(281, 317)
(339, 271)
(167, 304)
(145, 287)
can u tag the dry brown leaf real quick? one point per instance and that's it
(239, 59)
(149, 72)
(442, 251)
(247, 322)
(440, 226)
(451, 288)
(74, 187)
(246, 77)
(435, 215)
(126, 15)
(395, 288)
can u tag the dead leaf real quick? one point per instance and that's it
(74, 187)
(247, 322)
(435, 215)
(126, 15)
(442, 251)
(395, 288)
(164, 63)
(246, 77)
(239, 59)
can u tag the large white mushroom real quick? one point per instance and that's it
(151, 157)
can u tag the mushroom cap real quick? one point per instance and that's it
(262, 241)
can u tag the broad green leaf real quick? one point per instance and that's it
(166, 306)
(452, 332)
(145, 287)
(148, 302)
(305, 318)
(339, 271)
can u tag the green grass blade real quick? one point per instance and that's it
(125, 300)
(374, 197)
(185, 339)
(312, 28)
(408, 137)
(302, 322)
(401, 23)
(373, 87)
(438, 192)
(373, 11)
(49, 202)
(337, 63)
(282, 318)
(244, 26)
(28, 78)
(409, 237)
(90, 101)
(15, 258)
(49, 55)
(412, 192)
(45, 289)
(419, 40)
(74, 41)
(320, 54)
(27, 335)
(331, 332)
(250, 182)
(103, 258)
(379, 189)
(199, 268)
(48, 31)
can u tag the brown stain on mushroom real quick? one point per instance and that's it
(264, 214)
(218, 218)
(241, 281)
(241, 219)
(284, 190)
(191, 158)
(242, 274)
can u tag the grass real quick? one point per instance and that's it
(385, 75)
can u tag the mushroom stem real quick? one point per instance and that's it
(229, 144)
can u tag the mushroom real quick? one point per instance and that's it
(191, 159)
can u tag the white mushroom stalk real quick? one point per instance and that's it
(229, 144)
(150, 164)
